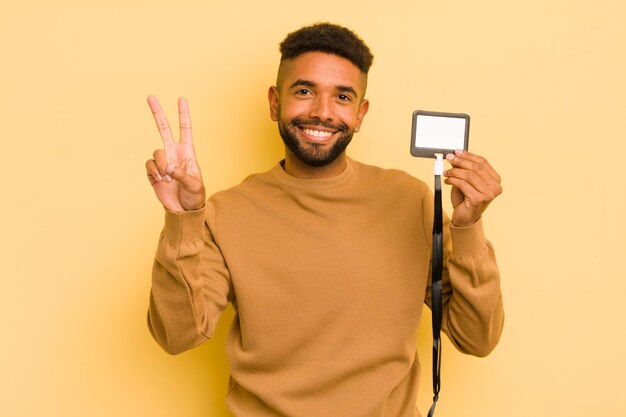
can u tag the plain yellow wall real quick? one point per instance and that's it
(544, 82)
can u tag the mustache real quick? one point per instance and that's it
(341, 127)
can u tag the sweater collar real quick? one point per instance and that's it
(335, 181)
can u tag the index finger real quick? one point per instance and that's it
(185, 121)
(468, 160)
(161, 121)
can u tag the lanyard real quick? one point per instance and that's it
(437, 269)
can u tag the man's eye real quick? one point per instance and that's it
(303, 92)
(343, 97)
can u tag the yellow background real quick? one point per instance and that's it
(544, 82)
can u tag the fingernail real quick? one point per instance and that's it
(449, 157)
(169, 169)
(167, 178)
(159, 177)
(459, 151)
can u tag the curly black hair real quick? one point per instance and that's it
(329, 38)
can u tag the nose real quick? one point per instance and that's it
(322, 108)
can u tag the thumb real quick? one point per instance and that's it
(187, 181)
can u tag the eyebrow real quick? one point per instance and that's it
(304, 83)
(347, 89)
(311, 84)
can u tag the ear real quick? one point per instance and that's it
(363, 108)
(272, 98)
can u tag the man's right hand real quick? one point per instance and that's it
(174, 172)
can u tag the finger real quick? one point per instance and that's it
(483, 184)
(472, 196)
(483, 162)
(474, 188)
(162, 164)
(470, 177)
(477, 163)
(152, 172)
(465, 159)
(187, 181)
(185, 121)
(161, 121)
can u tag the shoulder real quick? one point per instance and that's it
(247, 189)
(394, 179)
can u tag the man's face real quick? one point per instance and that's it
(318, 104)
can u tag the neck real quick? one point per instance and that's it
(296, 168)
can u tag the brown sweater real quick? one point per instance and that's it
(327, 278)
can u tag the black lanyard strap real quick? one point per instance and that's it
(437, 270)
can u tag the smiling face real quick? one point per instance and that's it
(319, 104)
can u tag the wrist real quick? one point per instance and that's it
(463, 223)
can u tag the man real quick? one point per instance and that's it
(325, 260)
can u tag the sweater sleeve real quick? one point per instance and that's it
(473, 314)
(191, 284)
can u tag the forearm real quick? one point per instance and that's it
(473, 312)
(183, 305)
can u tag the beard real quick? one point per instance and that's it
(314, 154)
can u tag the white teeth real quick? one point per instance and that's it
(317, 133)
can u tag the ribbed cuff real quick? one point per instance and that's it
(183, 227)
(468, 241)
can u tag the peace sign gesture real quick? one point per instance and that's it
(174, 172)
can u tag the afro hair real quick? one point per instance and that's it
(328, 38)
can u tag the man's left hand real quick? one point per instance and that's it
(474, 185)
